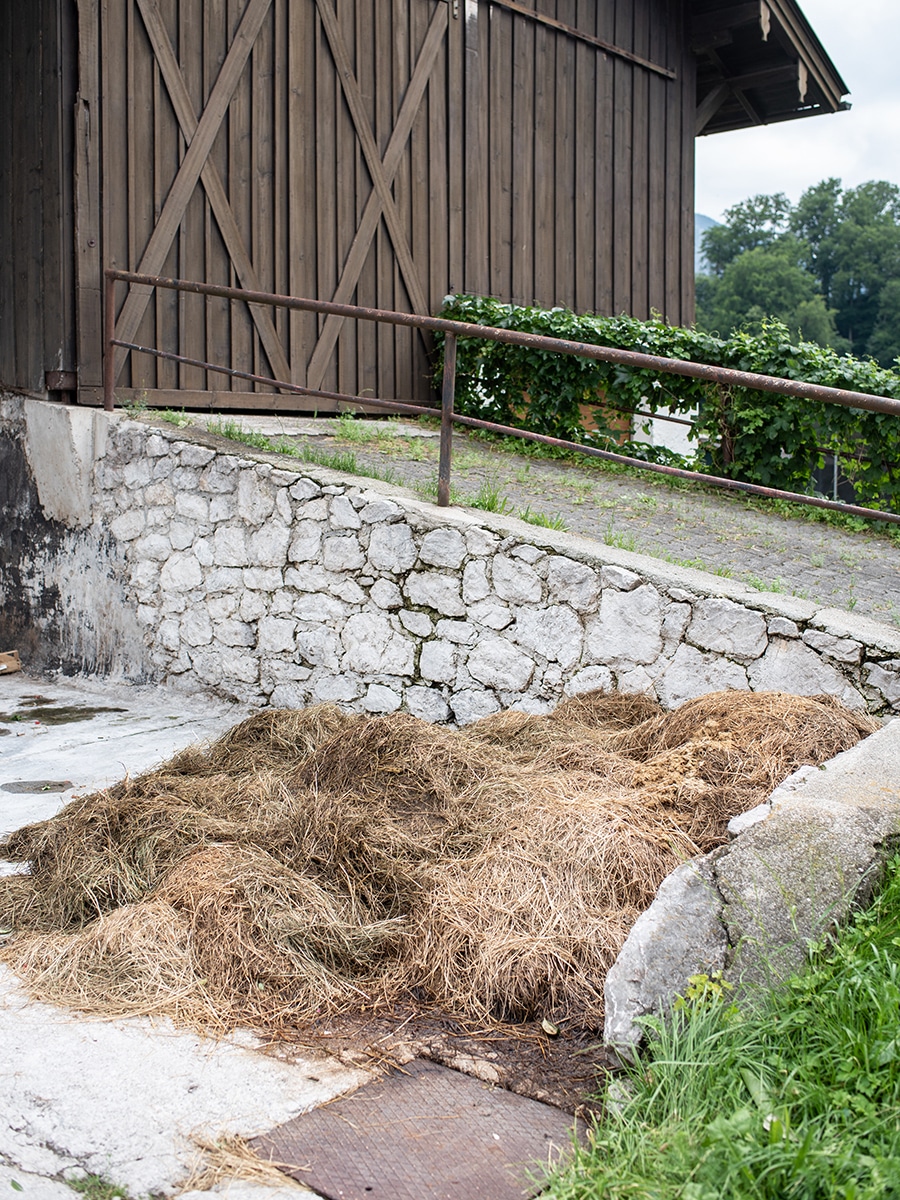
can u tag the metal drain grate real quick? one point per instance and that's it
(423, 1133)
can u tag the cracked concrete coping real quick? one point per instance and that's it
(795, 868)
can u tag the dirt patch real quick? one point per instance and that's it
(315, 864)
(565, 1069)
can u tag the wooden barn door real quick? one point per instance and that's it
(383, 150)
(294, 146)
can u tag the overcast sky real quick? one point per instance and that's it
(863, 41)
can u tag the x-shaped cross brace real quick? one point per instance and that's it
(196, 164)
(382, 172)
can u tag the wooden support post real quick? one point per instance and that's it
(448, 391)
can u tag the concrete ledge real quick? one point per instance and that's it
(812, 853)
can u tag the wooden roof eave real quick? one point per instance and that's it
(789, 39)
(811, 51)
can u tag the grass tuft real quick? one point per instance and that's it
(179, 419)
(793, 1094)
(97, 1187)
(428, 490)
(622, 541)
(344, 461)
(541, 519)
(490, 498)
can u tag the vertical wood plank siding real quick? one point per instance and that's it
(537, 168)
(37, 253)
(589, 166)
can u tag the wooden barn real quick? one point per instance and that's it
(379, 152)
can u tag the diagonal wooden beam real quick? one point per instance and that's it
(362, 241)
(197, 153)
(374, 162)
(212, 183)
(709, 106)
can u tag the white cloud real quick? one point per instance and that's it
(863, 42)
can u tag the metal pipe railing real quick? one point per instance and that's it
(453, 330)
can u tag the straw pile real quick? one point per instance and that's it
(314, 861)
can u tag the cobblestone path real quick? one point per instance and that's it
(713, 531)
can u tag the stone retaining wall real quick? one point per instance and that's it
(240, 574)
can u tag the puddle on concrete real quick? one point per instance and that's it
(34, 787)
(49, 712)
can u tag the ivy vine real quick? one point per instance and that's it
(760, 437)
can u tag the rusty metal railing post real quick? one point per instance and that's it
(109, 358)
(448, 390)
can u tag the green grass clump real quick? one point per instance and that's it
(621, 540)
(351, 428)
(538, 518)
(344, 461)
(179, 419)
(428, 490)
(96, 1187)
(234, 432)
(792, 1095)
(490, 498)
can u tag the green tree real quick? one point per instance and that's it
(816, 221)
(763, 283)
(884, 344)
(846, 241)
(758, 221)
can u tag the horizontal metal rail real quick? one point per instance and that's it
(533, 341)
(453, 330)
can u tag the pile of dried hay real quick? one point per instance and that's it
(313, 861)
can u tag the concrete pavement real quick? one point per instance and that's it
(122, 1099)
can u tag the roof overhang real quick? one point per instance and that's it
(758, 63)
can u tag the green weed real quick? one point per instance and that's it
(344, 461)
(335, 460)
(96, 1187)
(468, 460)
(351, 429)
(619, 539)
(428, 490)
(137, 405)
(539, 518)
(234, 432)
(415, 449)
(490, 498)
(794, 1095)
(761, 585)
(178, 419)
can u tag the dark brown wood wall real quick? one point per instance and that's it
(37, 303)
(579, 182)
(511, 158)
